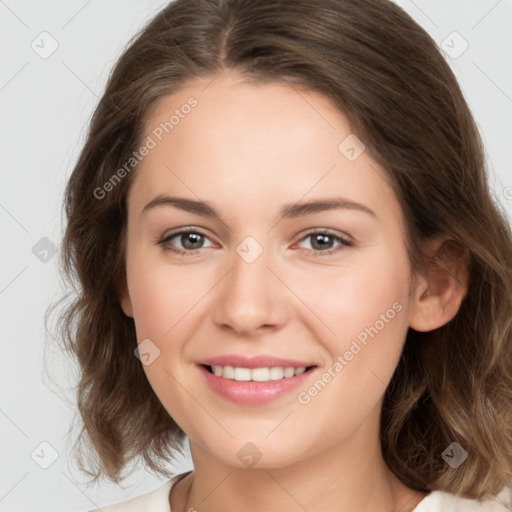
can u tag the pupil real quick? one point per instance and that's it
(323, 239)
(190, 236)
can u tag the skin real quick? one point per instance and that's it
(248, 149)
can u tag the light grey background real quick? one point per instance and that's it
(46, 102)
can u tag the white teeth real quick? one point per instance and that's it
(260, 374)
(257, 374)
(228, 372)
(289, 371)
(276, 373)
(242, 374)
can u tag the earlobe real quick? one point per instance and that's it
(437, 298)
(124, 300)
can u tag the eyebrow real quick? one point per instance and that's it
(288, 211)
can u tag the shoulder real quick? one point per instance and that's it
(447, 502)
(153, 501)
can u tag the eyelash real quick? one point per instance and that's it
(343, 241)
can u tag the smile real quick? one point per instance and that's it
(254, 386)
(256, 374)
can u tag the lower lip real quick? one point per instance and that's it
(253, 392)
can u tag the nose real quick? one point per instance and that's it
(251, 298)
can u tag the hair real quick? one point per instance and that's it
(387, 76)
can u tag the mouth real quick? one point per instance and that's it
(262, 374)
(256, 386)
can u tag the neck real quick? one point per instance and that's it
(352, 476)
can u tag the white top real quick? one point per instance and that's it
(436, 501)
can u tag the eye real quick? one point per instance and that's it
(322, 240)
(190, 240)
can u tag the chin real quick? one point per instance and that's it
(253, 456)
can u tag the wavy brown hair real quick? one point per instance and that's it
(387, 76)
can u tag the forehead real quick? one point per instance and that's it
(248, 144)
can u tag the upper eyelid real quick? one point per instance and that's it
(324, 231)
(184, 231)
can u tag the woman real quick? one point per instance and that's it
(288, 254)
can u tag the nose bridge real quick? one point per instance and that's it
(250, 296)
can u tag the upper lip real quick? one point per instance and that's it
(261, 361)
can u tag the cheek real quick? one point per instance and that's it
(164, 300)
(358, 296)
(365, 307)
(163, 295)
(153, 302)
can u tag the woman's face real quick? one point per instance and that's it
(265, 276)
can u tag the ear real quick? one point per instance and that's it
(437, 298)
(124, 298)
